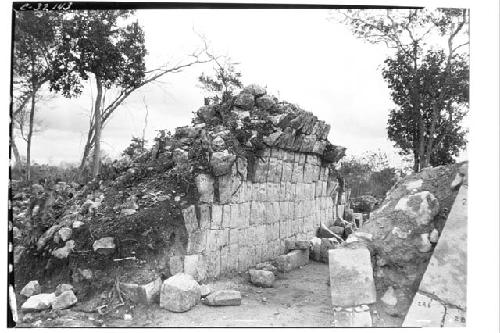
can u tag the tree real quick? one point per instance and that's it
(35, 35)
(409, 33)
(225, 81)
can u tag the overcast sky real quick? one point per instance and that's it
(299, 55)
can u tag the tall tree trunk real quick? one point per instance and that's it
(98, 128)
(15, 151)
(30, 135)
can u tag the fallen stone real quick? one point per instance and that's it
(298, 258)
(337, 230)
(245, 101)
(64, 252)
(31, 288)
(179, 293)
(223, 298)
(324, 232)
(64, 300)
(39, 302)
(363, 235)
(205, 290)
(351, 277)
(176, 265)
(261, 278)
(65, 233)
(149, 293)
(282, 263)
(265, 102)
(195, 266)
(266, 266)
(424, 245)
(221, 162)
(326, 245)
(62, 288)
(104, 246)
(289, 245)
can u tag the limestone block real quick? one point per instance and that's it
(205, 216)
(315, 253)
(228, 187)
(223, 298)
(350, 318)
(351, 277)
(223, 239)
(261, 278)
(195, 266)
(242, 167)
(245, 214)
(224, 257)
(176, 264)
(212, 239)
(197, 241)
(205, 186)
(233, 257)
(213, 263)
(235, 222)
(190, 219)
(242, 259)
(424, 312)
(38, 302)
(286, 171)
(179, 293)
(216, 221)
(226, 216)
(261, 168)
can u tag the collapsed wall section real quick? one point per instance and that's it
(269, 180)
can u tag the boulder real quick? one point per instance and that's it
(261, 278)
(244, 101)
(31, 288)
(62, 288)
(64, 300)
(104, 246)
(179, 293)
(39, 302)
(223, 298)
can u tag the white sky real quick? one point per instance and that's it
(298, 54)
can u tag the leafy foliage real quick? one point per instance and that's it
(225, 81)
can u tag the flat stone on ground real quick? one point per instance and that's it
(223, 298)
(424, 312)
(39, 302)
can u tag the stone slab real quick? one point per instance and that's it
(351, 277)
(424, 312)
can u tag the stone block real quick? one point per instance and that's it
(224, 257)
(205, 186)
(216, 221)
(283, 263)
(243, 261)
(350, 318)
(298, 258)
(424, 312)
(261, 278)
(233, 257)
(197, 241)
(245, 214)
(150, 292)
(195, 266)
(176, 264)
(38, 302)
(315, 253)
(223, 298)
(179, 293)
(235, 216)
(31, 288)
(205, 216)
(213, 263)
(190, 219)
(64, 300)
(302, 244)
(351, 277)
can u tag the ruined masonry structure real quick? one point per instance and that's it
(246, 211)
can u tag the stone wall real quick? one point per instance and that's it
(243, 218)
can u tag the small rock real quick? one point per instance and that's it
(16, 233)
(218, 144)
(205, 290)
(64, 300)
(177, 198)
(39, 302)
(62, 288)
(261, 278)
(127, 316)
(128, 211)
(434, 236)
(31, 288)
(77, 224)
(85, 273)
(424, 245)
(104, 245)
(65, 233)
(223, 298)
(389, 297)
(64, 252)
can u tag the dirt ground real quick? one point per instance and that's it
(300, 298)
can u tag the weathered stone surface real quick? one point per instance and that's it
(289, 245)
(350, 318)
(255, 90)
(223, 298)
(339, 231)
(78, 224)
(149, 293)
(421, 206)
(326, 245)
(261, 278)
(389, 297)
(222, 162)
(315, 253)
(205, 186)
(434, 236)
(424, 312)
(39, 302)
(104, 246)
(266, 266)
(62, 288)
(298, 258)
(18, 252)
(351, 277)
(446, 274)
(31, 288)
(283, 263)
(245, 101)
(195, 266)
(324, 232)
(179, 293)
(302, 244)
(64, 300)
(265, 102)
